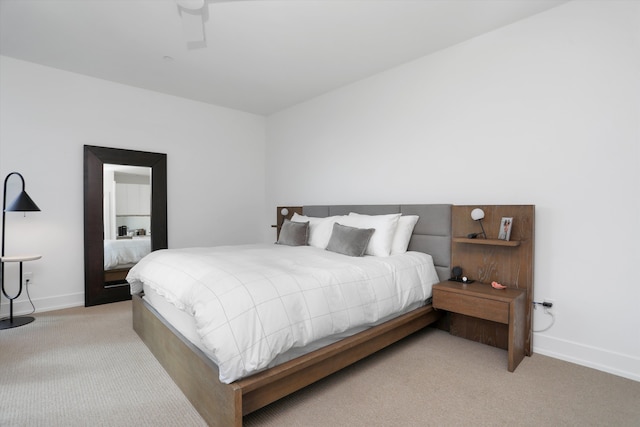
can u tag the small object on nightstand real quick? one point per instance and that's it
(463, 279)
(456, 276)
(497, 285)
(456, 271)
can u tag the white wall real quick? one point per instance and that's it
(545, 112)
(215, 167)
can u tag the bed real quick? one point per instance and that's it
(122, 254)
(222, 398)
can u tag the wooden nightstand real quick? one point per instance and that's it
(480, 300)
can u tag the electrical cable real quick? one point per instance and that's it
(553, 320)
(26, 288)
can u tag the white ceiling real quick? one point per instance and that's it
(259, 56)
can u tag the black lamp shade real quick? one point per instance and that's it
(23, 203)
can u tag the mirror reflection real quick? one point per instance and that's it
(127, 219)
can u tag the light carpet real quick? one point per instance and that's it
(86, 366)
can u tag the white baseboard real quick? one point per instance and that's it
(614, 363)
(22, 306)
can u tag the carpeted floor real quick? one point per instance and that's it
(86, 366)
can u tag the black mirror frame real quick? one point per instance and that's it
(94, 159)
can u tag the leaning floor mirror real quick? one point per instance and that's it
(125, 217)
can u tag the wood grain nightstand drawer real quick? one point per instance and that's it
(469, 305)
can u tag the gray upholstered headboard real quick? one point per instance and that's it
(431, 235)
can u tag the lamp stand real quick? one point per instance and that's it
(482, 227)
(13, 322)
(23, 203)
(474, 235)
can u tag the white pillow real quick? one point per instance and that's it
(385, 226)
(406, 224)
(319, 229)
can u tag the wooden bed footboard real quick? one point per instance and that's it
(224, 404)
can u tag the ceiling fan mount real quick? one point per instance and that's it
(192, 14)
(190, 4)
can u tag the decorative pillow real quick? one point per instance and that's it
(319, 229)
(350, 241)
(294, 233)
(385, 226)
(406, 224)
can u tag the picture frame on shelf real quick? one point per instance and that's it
(505, 228)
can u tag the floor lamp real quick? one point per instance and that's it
(22, 203)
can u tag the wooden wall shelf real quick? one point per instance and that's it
(492, 242)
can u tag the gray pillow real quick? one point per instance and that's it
(294, 233)
(350, 241)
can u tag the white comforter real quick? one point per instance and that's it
(125, 251)
(254, 302)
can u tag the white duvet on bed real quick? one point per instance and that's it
(125, 251)
(252, 303)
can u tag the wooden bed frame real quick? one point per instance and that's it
(225, 404)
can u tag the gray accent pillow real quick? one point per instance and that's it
(294, 233)
(350, 241)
